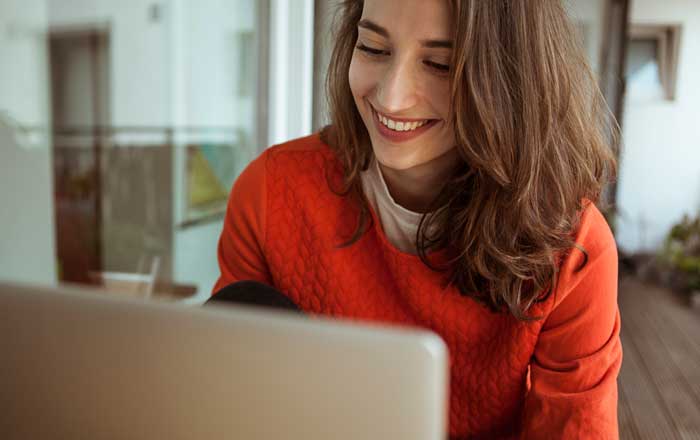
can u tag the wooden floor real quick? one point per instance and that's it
(659, 384)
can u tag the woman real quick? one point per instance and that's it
(454, 191)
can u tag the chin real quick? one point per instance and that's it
(394, 158)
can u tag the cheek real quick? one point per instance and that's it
(359, 77)
(441, 100)
(354, 77)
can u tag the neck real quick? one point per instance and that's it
(415, 188)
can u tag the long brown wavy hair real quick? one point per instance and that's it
(533, 133)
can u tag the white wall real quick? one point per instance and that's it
(27, 247)
(139, 46)
(660, 166)
(23, 57)
(590, 15)
(212, 27)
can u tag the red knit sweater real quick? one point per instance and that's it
(555, 378)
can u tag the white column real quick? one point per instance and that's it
(27, 237)
(291, 69)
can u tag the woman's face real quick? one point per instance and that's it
(399, 77)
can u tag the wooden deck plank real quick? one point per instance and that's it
(670, 383)
(670, 305)
(681, 354)
(660, 355)
(662, 313)
(627, 426)
(646, 405)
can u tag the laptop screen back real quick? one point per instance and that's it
(76, 364)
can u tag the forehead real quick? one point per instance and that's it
(410, 18)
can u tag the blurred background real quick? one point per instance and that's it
(124, 124)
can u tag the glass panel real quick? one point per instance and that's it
(124, 125)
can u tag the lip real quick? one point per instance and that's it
(400, 136)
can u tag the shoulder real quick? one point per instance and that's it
(299, 168)
(305, 164)
(298, 149)
(594, 233)
(592, 237)
(263, 179)
(594, 242)
(285, 159)
(588, 273)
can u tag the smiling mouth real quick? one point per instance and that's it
(399, 125)
(402, 130)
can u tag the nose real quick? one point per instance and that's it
(397, 89)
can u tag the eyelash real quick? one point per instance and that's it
(442, 68)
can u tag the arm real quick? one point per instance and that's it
(573, 372)
(242, 243)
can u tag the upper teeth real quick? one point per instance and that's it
(400, 126)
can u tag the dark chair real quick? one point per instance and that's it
(253, 293)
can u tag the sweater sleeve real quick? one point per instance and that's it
(573, 372)
(242, 242)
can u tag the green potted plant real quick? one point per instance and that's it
(681, 252)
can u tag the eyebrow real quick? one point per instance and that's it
(374, 27)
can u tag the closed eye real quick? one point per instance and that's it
(442, 68)
(372, 51)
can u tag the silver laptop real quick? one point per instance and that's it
(75, 364)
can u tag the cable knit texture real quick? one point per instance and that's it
(555, 378)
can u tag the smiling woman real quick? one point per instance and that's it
(454, 190)
(399, 77)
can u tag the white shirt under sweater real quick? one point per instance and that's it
(399, 224)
